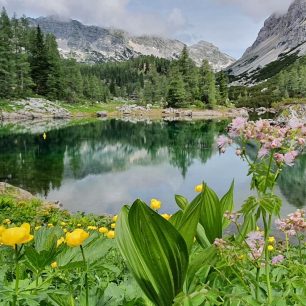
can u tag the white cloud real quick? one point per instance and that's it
(110, 13)
(259, 9)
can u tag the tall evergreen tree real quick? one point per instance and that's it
(207, 84)
(39, 62)
(176, 96)
(7, 67)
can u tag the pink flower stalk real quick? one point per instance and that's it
(223, 141)
(263, 151)
(255, 241)
(220, 243)
(290, 157)
(293, 224)
(277, 259)
(276, 143)
(279, 157)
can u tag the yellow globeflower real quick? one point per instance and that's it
(166, 216)
(103, 230)
(60, 241)
(271, 240)
(65, 230)
(110, 235)
(54, 265)
(2, 229)
(115, 218)
(37, 227)
(198, 188)
(76, 238)
(155, 204)
(113, 225)
(50, 225)
(270, 248)
(79, 225)
(63, 223)
(7, 221)
(16, 235)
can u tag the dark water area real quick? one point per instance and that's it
(99, 166)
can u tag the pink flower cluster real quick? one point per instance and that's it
(293, 224)
(231, 216)
(255, 241)
(285, 142)
(220, 243)
(277, 259)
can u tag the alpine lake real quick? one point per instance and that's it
(96, 166)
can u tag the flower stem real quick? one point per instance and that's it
(17, 277)
(86, 276)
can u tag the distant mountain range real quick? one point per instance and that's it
(93, 44)
(279, 43)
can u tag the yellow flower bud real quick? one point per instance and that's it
(37, 227)
(91, 227)
(63, 223)
(155, 204)
(54, 265)
(115, 218)
(50, 225)
(7, 221)
(166, 216)
(65, 230)
(271, 240)
(198, 188)
(16, 235)
(113, 225)
(270, 248)
(79, 225)
(76, 238)
(60, 241)
(103, 230)
(110, 235)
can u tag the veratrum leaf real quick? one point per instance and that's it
(181, 201)
(155, 252)
(211, 215)
(227, 204)
(189, 221)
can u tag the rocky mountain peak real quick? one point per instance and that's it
(281, 35)
(94, 44)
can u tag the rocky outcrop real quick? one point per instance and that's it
(280, 37)
(34, 108)
(92, 44)
(292, 112)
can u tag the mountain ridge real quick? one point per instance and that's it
(94, 44)
(281, 36)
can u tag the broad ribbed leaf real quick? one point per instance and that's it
(176, 218)
(248, 225)
(154, 250)
(201, 237)
(181, 201)
(211, 216)
(227, 204)
(189, 221)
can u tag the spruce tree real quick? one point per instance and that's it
(176, 96)
(207, 84)
(7, 67)
(39, 62)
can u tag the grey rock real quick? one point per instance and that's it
(102, 114)
(292, 112)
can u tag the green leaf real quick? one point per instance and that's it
(211, 216)
(227, 204)
(181, 201)
(176, 218)
(62, 299)
(271, 204)
(201, 237)
(189, 221)
(154, 250)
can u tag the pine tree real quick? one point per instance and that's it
(39, 62)
(176, 96)
(207, 84)
(188, 70)
(23, 80)
(7, 67)
(223, 81)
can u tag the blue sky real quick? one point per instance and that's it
(232, 25)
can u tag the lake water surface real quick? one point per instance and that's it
(99, 166)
